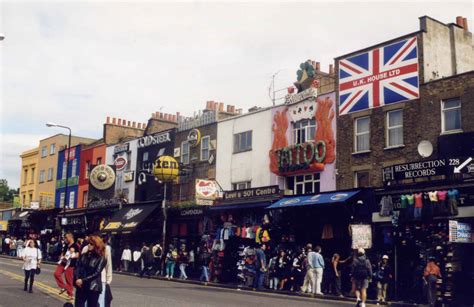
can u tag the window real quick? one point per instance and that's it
(362, 134)
(184, 191)
(84, 198)
(451, 115)
(44, 151)
(24, 199)
(304, 184)
(63, 174)
(61, 200)
(74, 167)
(32, 175)
(52, 149)
(71, 199)
(361, 179)
(50, 174)
(185, 152)
(241, 185)
(304, 131)
(41, 179)
(88, 169)
(99, 161)
(242, 141)
(394, 128)
(205, 148)
(25, 176)
(145, 156)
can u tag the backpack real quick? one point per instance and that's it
(360, 270)
(158, 252)
(174, 255)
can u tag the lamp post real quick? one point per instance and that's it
(66, 198)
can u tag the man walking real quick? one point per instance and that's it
(317, 262)
(309, 278)
(66, 265)
(361, 275)
(260, 266)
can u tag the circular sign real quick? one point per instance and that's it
(194, 137)
(425, 148)
(102, 177)
(120, 163)
(166, 168)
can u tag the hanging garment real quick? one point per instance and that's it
(418, 205)
(258, 235)
(244, 232)
(386, 206)
(434, 202)
(443, 204)
(327, 232)
(453, 201)
(411, 206)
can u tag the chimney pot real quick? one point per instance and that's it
(459, 21)
(108, 119)
(144, 126)
(221, 106)
(177, 115)
(129, 123)
(464, 22)
(331, 69)
(318, 66)
(114, 120)
(124, 122)
(134, 124)
(119, 122)
(139, 125)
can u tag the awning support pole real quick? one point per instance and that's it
(165, 217)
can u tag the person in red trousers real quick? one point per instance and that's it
(67, 262)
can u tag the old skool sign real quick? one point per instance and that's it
(102, 177)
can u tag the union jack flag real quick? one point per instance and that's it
(381, 76)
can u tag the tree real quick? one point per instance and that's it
(6, 193)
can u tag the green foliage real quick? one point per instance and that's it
(6, 193)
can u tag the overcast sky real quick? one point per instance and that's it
(77, 62)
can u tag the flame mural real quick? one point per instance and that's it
(312, 156)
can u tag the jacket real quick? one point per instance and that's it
(89, 269)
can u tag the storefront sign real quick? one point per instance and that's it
(361, 236)
(311, 92)
(103, 203)
(420, 169)
(300, 156)
(206, 189)
(70, 182)
(70, 154)
(102, 177)
(120, 163)
(460, 232)
(113, 225)
(34, 205)
(121, 148)
(191, 212)
(129, 176)
(166, 168)
(253, 192)
(194, 137)
(204, 202)
(154, 139)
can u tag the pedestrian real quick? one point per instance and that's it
(147, 261)
(105, 297)
(66, 265)
(137, 255)
(361, 276)
(272, 273)
(6, 242)
(260, 266)
(191, 261)
(20, 245)
(31, 262)
(282, 269)
(336, 274)
(171, 258)
(126, 257)
(317, 262)
(309, 278)
(430, 276)
(13, 247)
(205, 258)
(157, 257)
(183, 260)
(296, 273)
(383, 277)
(88, 274)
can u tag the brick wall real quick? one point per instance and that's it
(421, 121)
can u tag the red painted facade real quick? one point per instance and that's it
(90, 157)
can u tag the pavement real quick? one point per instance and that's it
(133, 291)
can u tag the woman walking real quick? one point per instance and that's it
(32, 261)
(171, 258)
(87, 276)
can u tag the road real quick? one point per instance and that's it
(133, 291)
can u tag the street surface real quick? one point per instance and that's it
(133, 291)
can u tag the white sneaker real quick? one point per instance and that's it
(362, 305)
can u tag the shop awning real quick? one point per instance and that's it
(318, 199)
(262, 204)
(21, 216)
(129, 217)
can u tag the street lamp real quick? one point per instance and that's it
(66, 200)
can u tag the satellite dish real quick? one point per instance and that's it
(425, 148)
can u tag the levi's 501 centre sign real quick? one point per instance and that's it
(380, 76)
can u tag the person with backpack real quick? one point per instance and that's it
(148, 261)
(157, 256)
(361, 276)
(383, 277)
(171, 258)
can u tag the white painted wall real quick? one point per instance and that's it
(119, 181)
(250, 165)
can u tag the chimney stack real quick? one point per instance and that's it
(466, 28)
(119, 122)
(221, 107)
(459, 21)
(134, 124)
(108, 119)
(331, 69)
(114, 121)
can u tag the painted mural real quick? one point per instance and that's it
(318, 151)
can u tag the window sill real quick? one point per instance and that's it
(394, 147)
(452, 132)
(237, 152)
(361, 152)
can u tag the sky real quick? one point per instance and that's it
(77, 62)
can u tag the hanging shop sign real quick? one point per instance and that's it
(361, 236)
(194, 137)
(421, 169)
(253, 192)
(121, 148)
(120, 163)
(166, 168)
(311, 92)
(206, 189)
(154, 139)
(128, 176)
(102, 177)
(460, 232)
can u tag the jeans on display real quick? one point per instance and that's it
(337, 285)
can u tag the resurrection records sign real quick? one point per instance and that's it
(416, 169)
(361, 236)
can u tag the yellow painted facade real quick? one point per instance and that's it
(28, 179)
